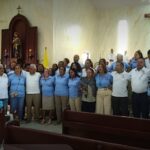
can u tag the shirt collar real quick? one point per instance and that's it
(140, 69)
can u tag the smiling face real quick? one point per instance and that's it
(61, 71)
(46, 73)
(72, 73)
(17, 69)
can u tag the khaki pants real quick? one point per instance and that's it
(34, 99)
(103, 101)
(61, 103)
(75, 104)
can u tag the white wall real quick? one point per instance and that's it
(76, 17)
(139, 29)
(94, 31)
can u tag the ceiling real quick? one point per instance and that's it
(118, 3)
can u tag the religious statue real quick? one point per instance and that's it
(17, 47)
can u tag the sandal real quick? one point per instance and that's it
(43, 121)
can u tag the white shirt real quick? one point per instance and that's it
(33, 83)
(147, 63)
(139, 80)
(3, 86)
(120, 83)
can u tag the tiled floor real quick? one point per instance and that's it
(46, 127)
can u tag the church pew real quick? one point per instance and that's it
(2, 126)
(22, 137)
(114, 129)
(4, 120)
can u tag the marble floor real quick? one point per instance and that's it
(46, 127)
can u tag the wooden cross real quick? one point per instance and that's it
(19, 9)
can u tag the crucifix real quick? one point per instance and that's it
(19, 9)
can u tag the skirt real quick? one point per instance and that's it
(48, 103)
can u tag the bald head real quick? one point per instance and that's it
(32, 69)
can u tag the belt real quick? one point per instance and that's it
(102, 89)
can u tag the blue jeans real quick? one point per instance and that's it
(17, 104)
(5, 103)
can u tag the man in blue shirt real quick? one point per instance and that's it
(119, 59)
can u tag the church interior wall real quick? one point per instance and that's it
(68, 27)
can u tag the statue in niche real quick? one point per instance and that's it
(17, 46)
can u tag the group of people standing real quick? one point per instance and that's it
(103, 89)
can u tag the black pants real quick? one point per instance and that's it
(88, 106)
(140, 105)
(120, 106)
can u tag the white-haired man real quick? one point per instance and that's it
(33, 92)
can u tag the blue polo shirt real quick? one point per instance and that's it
(103, 81)
(133, 63)
(74, 87)
(17, 84)
(61, 85)
(47, 86)
(113, 66)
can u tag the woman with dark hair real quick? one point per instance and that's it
(74, 90)
(77, 67)
(88, 90)
(54, 68)
(61, 92)
(88, 64)
(104, 85)
(101, 61)
(40, 68)
(60, 64)
(47, 84)
(133, 62)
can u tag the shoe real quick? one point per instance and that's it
(49, 121)
(43, 121)
(28, 121)
(57, 123)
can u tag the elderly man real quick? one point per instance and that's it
(3, 87)
(120, 91)
(120, 60)
(33, 92)
(139, 84)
